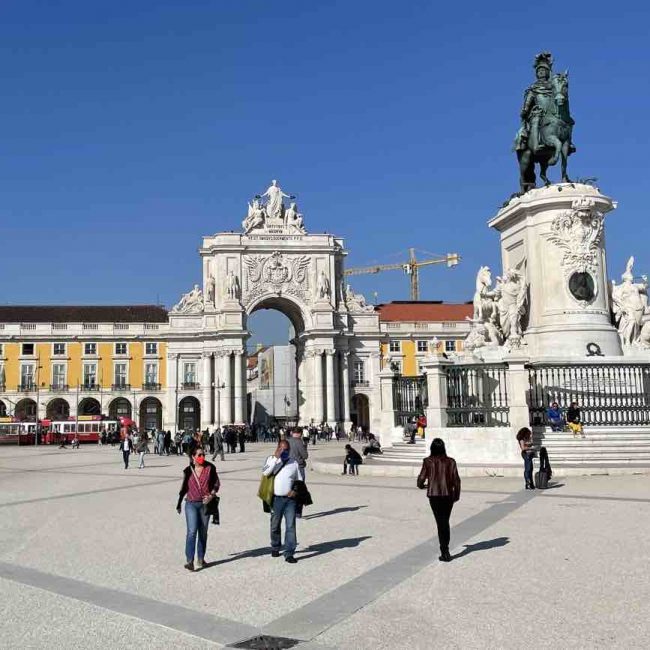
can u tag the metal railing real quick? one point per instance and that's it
(410, 398)
(606, 394)
(59, 387)
(361, 383)
(121, 386)
(150, 386)
(89, 387)
(26, 388)
(477, 395)
(190, 385)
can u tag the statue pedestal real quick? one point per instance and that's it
(555, 235)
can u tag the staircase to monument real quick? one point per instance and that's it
(601, 445)
(403, 453)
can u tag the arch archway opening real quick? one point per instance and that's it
(150, 414)
(89, 406)
(189, 414)
(3, 409)
(360, 412)
(26, 410)
(119, 408)
(58, 409)
(274, 392)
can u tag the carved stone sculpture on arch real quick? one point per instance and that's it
(629, 305)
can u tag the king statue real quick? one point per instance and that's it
(545, 134)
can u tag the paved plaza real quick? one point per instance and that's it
(92, 557)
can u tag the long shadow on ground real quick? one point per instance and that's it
(497, 542)
(312, 551)
(336, 511)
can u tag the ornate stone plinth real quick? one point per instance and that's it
(556, 236)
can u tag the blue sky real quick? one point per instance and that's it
(129, 130)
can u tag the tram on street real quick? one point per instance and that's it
(87, 428)
(16, 433)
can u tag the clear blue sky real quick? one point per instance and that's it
(129, 130)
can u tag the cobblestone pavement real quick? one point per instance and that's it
(91, 556)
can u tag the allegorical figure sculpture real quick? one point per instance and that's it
(255, 217)
(209, 290)
(190, 303)
(629, 305)
(545, 134)
(274, 206)
(233, 288)
(513, 291)
(323, 289)
(293, 218)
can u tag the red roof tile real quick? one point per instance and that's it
(424, 311)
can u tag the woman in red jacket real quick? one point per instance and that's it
(439, 475)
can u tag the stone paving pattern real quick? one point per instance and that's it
(91, 556)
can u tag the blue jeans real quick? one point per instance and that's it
(197, 523)
(528, 466)
(283, 506)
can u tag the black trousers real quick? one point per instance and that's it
(441, 508)
(125, 455)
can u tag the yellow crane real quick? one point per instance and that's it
(410, 267)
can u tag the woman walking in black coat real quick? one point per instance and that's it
(439, 475)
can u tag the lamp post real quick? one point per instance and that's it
(36, 430)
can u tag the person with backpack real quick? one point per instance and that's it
(285, 472)
(352, 460)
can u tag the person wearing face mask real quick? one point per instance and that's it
(200, 485)
(286, 472)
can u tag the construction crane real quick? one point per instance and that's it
(411, 268)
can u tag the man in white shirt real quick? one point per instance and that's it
(286, 471)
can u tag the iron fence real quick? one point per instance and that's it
(477, 395)
(410, 398)
(607, 394)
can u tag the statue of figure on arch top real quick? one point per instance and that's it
(274, 206)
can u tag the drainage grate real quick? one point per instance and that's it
(264, 642)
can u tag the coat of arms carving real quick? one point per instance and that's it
(276, 273)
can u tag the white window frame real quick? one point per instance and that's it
(31, 374)
(83, 376)
(90, 354)
(425, 345)
(121, 354)
(27, 354)
(59, 354)
(2, 347)
(357, 365)
(185, 365)
(450, 345)
(126, 373)
(151, 353)
(394, 346)
(145, 374)
(62, 383)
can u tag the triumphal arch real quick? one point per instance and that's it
(272, 263)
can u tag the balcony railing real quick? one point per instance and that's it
(121, 386)
(148, 385)
(26, 388)
(361, 383)
(190, 385)
(89, 387)
(59, 387)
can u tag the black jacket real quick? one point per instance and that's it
(213, 480)
(353, 455)
(573, 415)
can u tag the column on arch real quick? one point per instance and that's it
(330, 386)
(206, 390)
(345, 366)
(225, 391)
(317, 373)
(239, 387)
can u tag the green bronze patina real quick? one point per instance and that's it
(544, 136)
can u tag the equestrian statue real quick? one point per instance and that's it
(544, 136)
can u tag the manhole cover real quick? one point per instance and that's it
(264, 642)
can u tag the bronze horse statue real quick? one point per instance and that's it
(549, 136)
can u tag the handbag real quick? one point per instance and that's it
(265, 490)
(211, 507)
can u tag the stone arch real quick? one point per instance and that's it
(298, 315)
(150, 413)
(120, 407)
(361, 411)
(26, 410)
(89, 406)
(189, 414)
(3, 409)
(58, 409)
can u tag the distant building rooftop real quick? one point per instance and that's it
(423, 310)
(83, 314)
